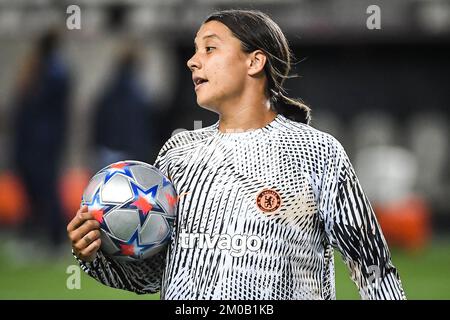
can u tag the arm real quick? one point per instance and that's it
(351, 227)
(140, 277)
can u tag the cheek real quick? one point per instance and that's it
(227, 75)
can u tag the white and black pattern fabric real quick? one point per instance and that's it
(320, 206)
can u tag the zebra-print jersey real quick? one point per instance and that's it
(286, 194)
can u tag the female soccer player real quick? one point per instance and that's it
(266, 197)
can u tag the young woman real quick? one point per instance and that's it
(266, 197)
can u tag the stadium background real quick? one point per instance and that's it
(122, 88)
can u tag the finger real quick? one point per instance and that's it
(83, 230)
(72, 223)
(86, 240)
(77, 220)
(91, 236)
(83, 208)
(82, 215)
(89, 250)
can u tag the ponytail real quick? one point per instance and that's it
(292, 109)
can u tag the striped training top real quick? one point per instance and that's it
(259, 215)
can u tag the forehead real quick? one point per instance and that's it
(213, 29)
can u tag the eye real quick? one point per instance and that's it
(209, 49)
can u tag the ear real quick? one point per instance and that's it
(256, 62)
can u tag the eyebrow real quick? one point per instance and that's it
(209, 36)
(212, 35)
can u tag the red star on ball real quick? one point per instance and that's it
(119, 165)
(142, 204)
(171, 200)
(127, 249)
(98, 215)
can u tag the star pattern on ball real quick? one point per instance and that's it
(166, 182)
(171, 200)
(145, 201)
(122, 168)
(133, 247)
(98, 209)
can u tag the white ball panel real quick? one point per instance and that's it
(145, 177)
(154, 230)
(93, 186)
(122, 223)
(164, 202)
(116, 190)
(108, 247)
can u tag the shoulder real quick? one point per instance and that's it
(310, 137)
(187, 139)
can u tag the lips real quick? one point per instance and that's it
(198, 81)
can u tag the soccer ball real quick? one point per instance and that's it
(135, 205)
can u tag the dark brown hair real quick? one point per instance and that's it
(257, 31)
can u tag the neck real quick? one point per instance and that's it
(238, 117)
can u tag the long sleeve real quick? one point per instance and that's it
(141, 276)
(351, 227)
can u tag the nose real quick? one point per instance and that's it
(193, 63)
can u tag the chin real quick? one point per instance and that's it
(206, 107)
(206, 104)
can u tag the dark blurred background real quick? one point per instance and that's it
(73, 101)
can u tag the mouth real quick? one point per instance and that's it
(198, 82)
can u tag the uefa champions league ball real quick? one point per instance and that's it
(135, 205)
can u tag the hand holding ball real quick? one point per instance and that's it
(131, 212)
